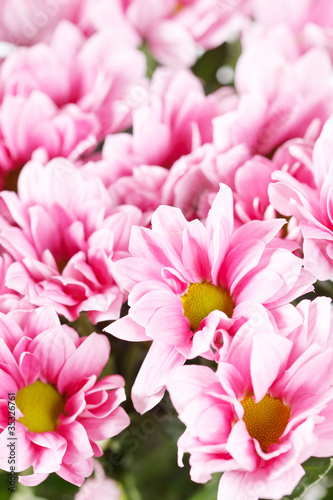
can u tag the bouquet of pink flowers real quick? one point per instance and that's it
(166, 249)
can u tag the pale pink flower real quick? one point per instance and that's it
(100, 486)
(311, 205)
(190, 284)
(301, 25)
(279, 99)
(193, 181)
(96, 15)
(33, 127)
(61, 409)
(265, 411)
(173, 119)
(173, 30)
(66, 96)
(64, 234)
(127, 182)
(26, 23)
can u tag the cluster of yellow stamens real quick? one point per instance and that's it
(201, 299)
(41, 405)
(265, 420)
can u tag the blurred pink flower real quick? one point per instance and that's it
(65, 234)
(64, 97)
(192, 283)
(279, 99)
(173, 118)
(61, 408)
(266, 410)
(175, 31)
(293, 24)
(33, 127)
(100, 486)
(26, 23)
(311, 205)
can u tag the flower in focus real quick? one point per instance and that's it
(61, 408)
(266, 410)
(191, 283)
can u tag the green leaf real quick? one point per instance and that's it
(209, 490)
(315, 470)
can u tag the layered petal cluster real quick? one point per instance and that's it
(294, 26)
(174, 29)
(251, 197)
(311, 205)
(10, 299)
(64, 234)
(265, 411)
(26, 23)
(192, 284)
(62, 410)
(66, 96)
(194, 179)
(278, 100)
(173, 118)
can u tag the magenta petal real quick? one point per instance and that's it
(269, 359)
(53, 349)
(186, 383)
(149, 386)
(195, 254)
(32, 479)
(234, 485)
(242, 259)
(76, 473)
(27, 452)
(240, 447)
(78, 445)
(169, 325)
(88, 359)
(127, 329)
(30, 367)
(106, 427)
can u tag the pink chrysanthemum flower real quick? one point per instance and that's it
(64, 97)
(61, 409)
(263, 413)
(192, 283)
(294, 26)
(311, 205)
(171, 121)
(64, 244)
(277, 100)
(175, 29)
(26, 23)
(100, 486)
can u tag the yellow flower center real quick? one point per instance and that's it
(201, 299)
(177, 8)
(41, 405)
(266, 420)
